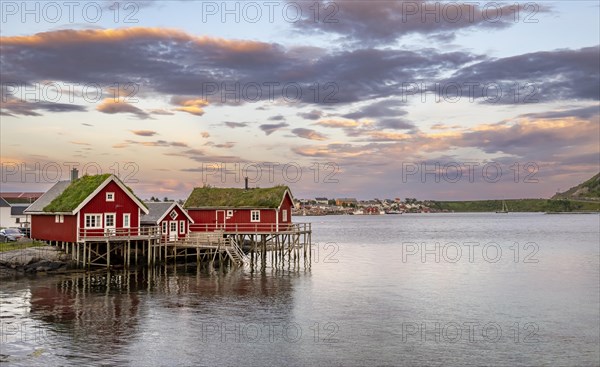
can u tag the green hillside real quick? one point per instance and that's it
(590, 189)
(517, 205)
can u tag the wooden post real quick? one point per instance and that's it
(128, 252)
(108, 254)
(77, 255)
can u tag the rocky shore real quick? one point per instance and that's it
(33, 260)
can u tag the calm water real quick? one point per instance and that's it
(447, 289)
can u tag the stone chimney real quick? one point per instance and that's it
(246, 183)
(74, 174)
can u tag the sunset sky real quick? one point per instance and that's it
(343, 99)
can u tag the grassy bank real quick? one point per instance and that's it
(517, 205)
(19, 245)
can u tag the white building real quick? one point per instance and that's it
(5, 218)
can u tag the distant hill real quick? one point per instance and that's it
(583, 197)
(589, 190)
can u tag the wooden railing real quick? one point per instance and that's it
(251, 227)
(134, 232)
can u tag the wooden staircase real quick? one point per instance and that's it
(213, 240)
(234, 252)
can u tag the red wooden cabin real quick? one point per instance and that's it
(90, 206)
(170, 217)
(240, 210)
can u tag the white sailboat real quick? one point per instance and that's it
(504, 208)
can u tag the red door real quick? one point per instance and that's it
(220, 219)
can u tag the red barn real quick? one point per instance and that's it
(170, 217)
(240, 210)
(89, 206)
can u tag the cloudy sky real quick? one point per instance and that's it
(434, 100)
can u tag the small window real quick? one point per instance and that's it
(230, 213)
(255, 216)
(126, 219)
(284, 215)
(110, 196)
(173, 214)
(59, 218)
(182, 227)
(164, 227)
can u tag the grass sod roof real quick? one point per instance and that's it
(214, 197)
(77, 192)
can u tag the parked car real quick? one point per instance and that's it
(10, 234)
(26, 231)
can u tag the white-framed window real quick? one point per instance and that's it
(164, 227)
(109, 220)
(173, 214)
(173, 228)
(126, 220)
(255, 216)
(284, 215)
(182, 227)
(93, 221)
(110, 196)
(59, 218)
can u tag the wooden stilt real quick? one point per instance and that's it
(84, 260)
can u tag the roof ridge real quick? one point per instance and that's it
(212, 197)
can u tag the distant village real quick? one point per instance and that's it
(352, 206)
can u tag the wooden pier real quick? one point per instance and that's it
(254, 245)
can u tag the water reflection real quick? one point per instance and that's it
(95, 317)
